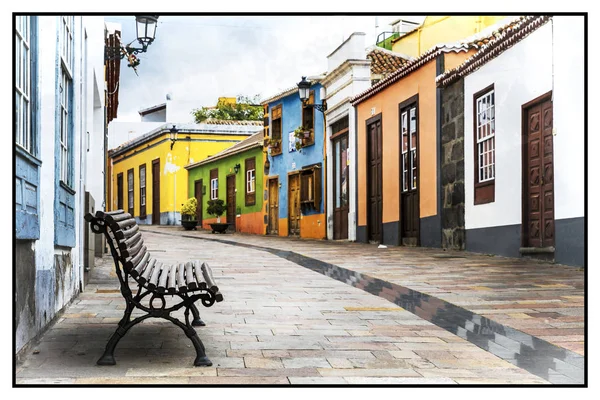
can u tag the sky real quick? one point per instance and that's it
(197, 59)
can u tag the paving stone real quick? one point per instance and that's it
(238, 380)
(255, 362)
(288, 372)
(399, 381)
(305, 362)
(344, 372)
(317, 380)
(167, 371)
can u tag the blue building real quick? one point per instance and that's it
(295, 164)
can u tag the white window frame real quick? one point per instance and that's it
(66, 83)
(143, 186)
(214, 186)
(130, 190)
(23, 83)
(485, 125)
(251, 181)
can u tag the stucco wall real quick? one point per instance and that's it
(522, 73)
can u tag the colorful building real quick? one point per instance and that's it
(520, 142)
(398, 137)
(441, 29)
(234, 175)
(147, 175)
(294, 167)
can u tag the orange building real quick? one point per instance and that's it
(398, 146)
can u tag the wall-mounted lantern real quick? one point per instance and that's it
(304, 92)
(146, 31)
(173, 135)
(237, 167)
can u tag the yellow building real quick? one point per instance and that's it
(441, 29)
(147, 177)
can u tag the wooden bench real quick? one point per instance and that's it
(185, 282)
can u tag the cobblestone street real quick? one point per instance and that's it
(283, 323)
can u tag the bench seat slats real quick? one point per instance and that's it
(131, 241)
(118, 217)
(190, 280)
(126, 233)
(132, 262)
(181, 284)
(172, 281)
(153, 282)
(208, 277)
(141, 266)
(162, 280)
(198, 275)
(132, 251)
(124, 224)
(145, 276)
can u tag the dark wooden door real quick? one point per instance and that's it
(409, 175)
(198, 196)
(294, 205)
(538, 163)
(273, 225)
(341, 179)
(374, 181)
(156, 192)
(120, 191)
(231, 201)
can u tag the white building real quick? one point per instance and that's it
(59, 125)
(524, 164)
(351, 70)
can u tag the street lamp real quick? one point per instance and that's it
(304, 92)
(173, 135)
(145, 29)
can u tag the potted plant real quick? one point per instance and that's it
(188, 214)
(302, 133)
(217, 208)
(274, 144)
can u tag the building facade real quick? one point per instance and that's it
(521, 104)
(235, 176)
(59, 163)
(148, 178)
(295, 181)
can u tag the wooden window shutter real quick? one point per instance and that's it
(250, 164)
(317, 180)
(143, 191)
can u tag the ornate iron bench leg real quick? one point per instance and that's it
(196, 321)
(201, 359)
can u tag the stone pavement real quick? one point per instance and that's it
(281, 323)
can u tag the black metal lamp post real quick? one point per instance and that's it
(173, 135)
(145, 29)
(304, 92)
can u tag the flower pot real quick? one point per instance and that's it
(189, 224)
(219, 228)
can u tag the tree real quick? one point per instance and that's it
(245, 109)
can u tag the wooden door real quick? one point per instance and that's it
(538, 164)
(156, 192)
(273, 225)
(374, 182)
(409, 176)
(120, 191)
(294, 204)
(231, 201)
(198, 196)
(341, 179)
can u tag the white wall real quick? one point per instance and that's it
(352, 48)
(521, 74)
(121, 132)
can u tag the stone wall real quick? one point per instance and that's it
(453, 167)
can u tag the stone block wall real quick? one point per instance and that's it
(453, 167)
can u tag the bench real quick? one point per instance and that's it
(186, 282)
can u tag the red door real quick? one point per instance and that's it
(409, 175)
(374, 181)
(538, 163)
(198, 196)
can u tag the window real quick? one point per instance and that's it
(276, 129)
(408, 129)
(23, 83)
(484, 145)
(65, 92)
(250, 181)
(143, 191)
(310, 187)
(214, 184)
(130, 191)
(308, 119)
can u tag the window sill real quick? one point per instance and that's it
(20, 150)
(484, 193)
(67, 188)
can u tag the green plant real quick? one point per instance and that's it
(245, 109)
(274, 142)
(189, 208)
(217, 208)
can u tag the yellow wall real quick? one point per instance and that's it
(442, 29)
(172, 173)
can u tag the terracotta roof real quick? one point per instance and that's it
(252, 142)
(231, 122)
(501, 41)
(472, 42)
(385, 61)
